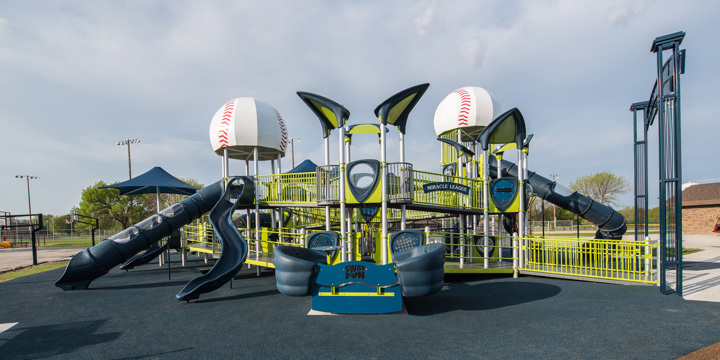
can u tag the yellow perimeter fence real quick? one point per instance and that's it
(591, 258)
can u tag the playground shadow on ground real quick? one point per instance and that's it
(52, 340)
(700, 265)
(477, 294)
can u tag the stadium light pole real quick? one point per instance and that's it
(28, 178)
(292, 150)
(128, 142)
(554, 177)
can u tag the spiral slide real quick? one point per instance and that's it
(611, 223)
(234, 246)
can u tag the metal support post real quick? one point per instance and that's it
(486, 208)
(327, 162)
(384, 194)
(341, 180)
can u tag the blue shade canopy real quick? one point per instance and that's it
(304, 167)
(156, 180)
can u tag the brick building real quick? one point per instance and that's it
(700, 208)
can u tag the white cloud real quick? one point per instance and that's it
(622, 14)
(83, 75)
(424, 20)
(473, 50)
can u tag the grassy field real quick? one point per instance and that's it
(30, 270)
(64, 242)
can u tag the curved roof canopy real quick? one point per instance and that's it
(395, 109)
(154, 181)
(304, 167)
(506, 128)
(331, 114)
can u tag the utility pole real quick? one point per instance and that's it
(128, 142)
(553, 177)
(292, 149)
(28, 178)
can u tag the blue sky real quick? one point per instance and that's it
(78, 76)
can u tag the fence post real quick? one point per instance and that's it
(515, 255)
(657, 266)
(578, 226)
(183, 243)
(521, 254)
(648, 259)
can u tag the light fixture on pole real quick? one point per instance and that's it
(292, 149)
(28, 178)
(554, 177)
(128, 142)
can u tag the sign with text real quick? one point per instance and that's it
(446, 186)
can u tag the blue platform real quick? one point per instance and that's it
(356, 287)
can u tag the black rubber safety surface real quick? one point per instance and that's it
(134, 315)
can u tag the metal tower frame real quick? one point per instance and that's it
(664, 104)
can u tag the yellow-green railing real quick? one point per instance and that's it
(328, 184)
(470, 248)
(448, 199)
(199, 236)
(592, 258)
(288, 189)
(399, 182)
(269, 238)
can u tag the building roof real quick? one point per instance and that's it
(701, 194)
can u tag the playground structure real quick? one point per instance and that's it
(354, 234)
(362, 208)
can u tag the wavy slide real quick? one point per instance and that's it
(611, 224)
(234, 246)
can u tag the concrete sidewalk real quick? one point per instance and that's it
(11, 259)
(701, 270)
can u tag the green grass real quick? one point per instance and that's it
(64, 242)
(30, 270)
(690, 250)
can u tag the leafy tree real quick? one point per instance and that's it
(535, 206)
(114, 210)
(58, 223)
(111, 208)
(629, 213)
(169, 199)
(603, 187)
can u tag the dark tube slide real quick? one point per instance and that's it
(94, 262)
(240, 191)
(611, 223)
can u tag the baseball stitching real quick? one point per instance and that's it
(225, 123)
(283, 131)
(465, 102)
